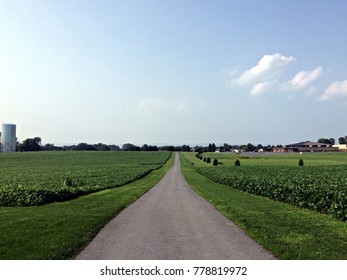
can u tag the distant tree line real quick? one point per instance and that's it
(331, 141)
(34, 144)
(231, 148)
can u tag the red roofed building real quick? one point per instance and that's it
(307, 146)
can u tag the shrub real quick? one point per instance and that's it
(215, 162)
(208, 160)
(204, 159)
(237, 163)
(301, 162)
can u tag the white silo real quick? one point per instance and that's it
(8, 137)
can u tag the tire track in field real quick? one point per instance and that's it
(171, 221)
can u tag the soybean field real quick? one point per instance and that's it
(320, 184)
(28, 179)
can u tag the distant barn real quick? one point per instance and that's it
(307, 146)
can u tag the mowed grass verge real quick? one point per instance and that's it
(61, 230)
(287, 231)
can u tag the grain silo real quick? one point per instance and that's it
(8, 138)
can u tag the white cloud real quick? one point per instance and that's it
(335, 90)
(302, 79)
(268, 75)
(260, 88)
(267, 69)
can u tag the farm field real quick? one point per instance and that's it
(287, 230)
(321, 184)
(277, 159)
(60, 230)
(39, 178)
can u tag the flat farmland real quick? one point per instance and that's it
(320, 184)
(296, 212)
(39, 178)
(278, 159)
(59, 230)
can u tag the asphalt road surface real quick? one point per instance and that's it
(170, 222)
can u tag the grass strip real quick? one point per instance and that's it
(287, 231)
(61, 230)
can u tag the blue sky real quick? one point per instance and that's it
(177, 72)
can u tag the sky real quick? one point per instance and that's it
(174, 71)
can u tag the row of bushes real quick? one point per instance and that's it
(237, 162)
(208, 160)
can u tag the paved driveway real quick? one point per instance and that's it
(172, 222)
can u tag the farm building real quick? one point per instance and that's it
(307, 146)
(342, 148)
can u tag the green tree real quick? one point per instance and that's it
(84, 147)
(101, 147)
(250, 147)
(185, 148)
(260, 146)
(114, 147)
(51, 147)
(226, 147)
(343, 140)
(211, 147)
(145, 147)
(130, 147)
(30, 145)
(330, 141)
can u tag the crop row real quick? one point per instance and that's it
(323, 188)
(36, 179)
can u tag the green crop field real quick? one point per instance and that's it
(296, 212)
(60, 230)
(320, 185)
(39, 178)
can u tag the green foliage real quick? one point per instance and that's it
(39, 178)
(321, 188)
(289, 232)
(61, 230)
(211, 147)
(215, 162)
(30, 145)
(343, 140)
(208, 160)
(279, 159)
(237, 163)
(301, 162)
(330, 141)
